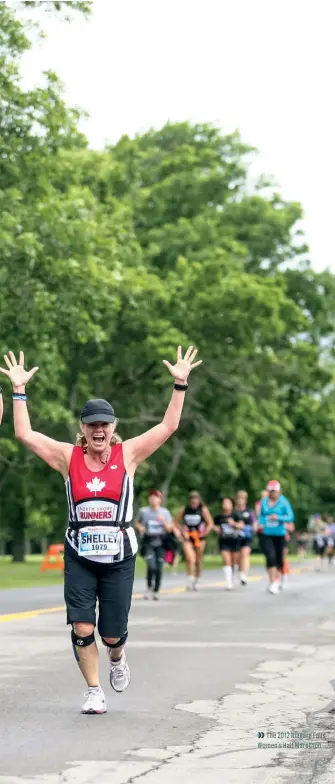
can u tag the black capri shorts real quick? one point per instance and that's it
(86, 581)
(230, 544)
(319, 546)
(273, 549)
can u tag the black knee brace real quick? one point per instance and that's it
(80, 642)
(117, 644)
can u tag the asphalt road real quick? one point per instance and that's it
(211, 671)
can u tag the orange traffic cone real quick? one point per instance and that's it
(53, 558)
(286, 566)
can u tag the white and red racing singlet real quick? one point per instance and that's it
(100, 499)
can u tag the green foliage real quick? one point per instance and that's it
(63, 6)
(109, 259)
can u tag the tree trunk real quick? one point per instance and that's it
(18, 532)
(18, 547)
(178, 449)
(44, 545)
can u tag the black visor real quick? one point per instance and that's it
(97, 411)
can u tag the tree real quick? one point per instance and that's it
(110, 259)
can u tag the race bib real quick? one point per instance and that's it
(271, 523)
(155, 527)
(99, 540)
(227, 530)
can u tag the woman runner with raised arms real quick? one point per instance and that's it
(100, 544)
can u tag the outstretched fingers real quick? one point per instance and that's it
(167, 364)
(4, 371)
(188, 353)
(12, 358)
(8, 362)
(179, 353)
(195, 364)
(21, 360)
(32, 372)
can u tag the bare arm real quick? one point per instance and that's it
(208, 519)
(176, 530)
(168, 525)
(56, 453)
(141, 447)
(178, 520)
(138, 449)
(290, 527)
(140, 527)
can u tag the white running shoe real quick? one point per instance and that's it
(155, 596)
(148, 594)
(273, 588)
(229, 587)
(243, 578)
(190, 584)
(120, 672)
(95, 702)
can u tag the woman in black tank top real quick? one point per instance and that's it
(195, 521)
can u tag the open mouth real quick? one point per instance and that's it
(98, 439)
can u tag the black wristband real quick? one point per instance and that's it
(181, 387)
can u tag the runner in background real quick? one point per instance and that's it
(320, 532)
(259, 529)
(172, 548)
(248, 517)
(229, 527)
(286, 564)
(331, 539)
(276, 518)
(154, 521)
(195, 522)
(302, 543)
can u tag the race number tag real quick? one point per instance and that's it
(271, 523)
(155, 527)
(99, 540)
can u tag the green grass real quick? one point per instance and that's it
(24, 575)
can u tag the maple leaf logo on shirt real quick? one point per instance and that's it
(95, 486)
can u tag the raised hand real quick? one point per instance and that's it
(181, 370)
(16, 372)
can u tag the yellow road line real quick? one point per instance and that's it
(29, 614)
(17, 616)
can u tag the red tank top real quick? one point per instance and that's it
(99, 498)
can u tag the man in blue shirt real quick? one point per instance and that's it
(276, 519)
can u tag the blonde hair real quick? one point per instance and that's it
(81, 440)
(195, 493)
